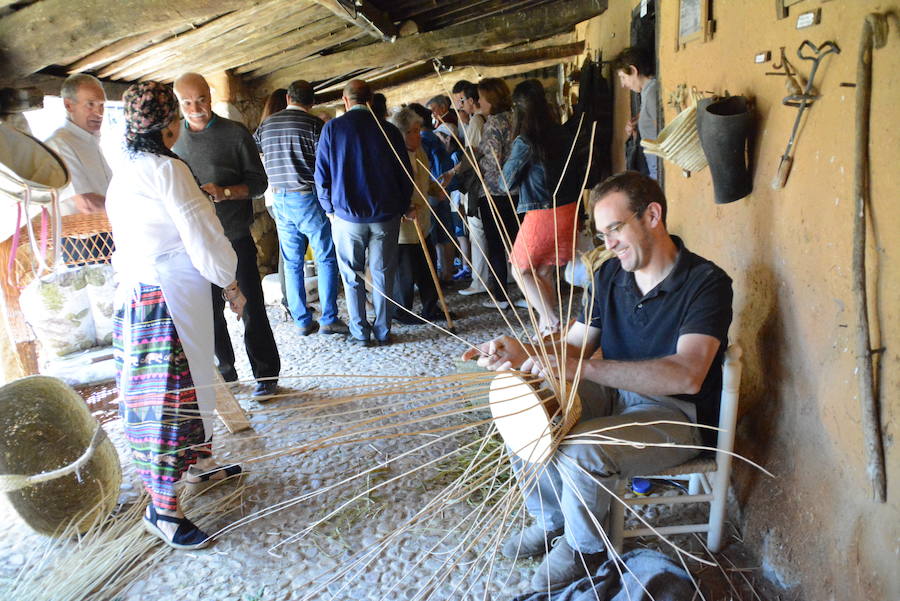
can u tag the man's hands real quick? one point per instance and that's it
(411, 214)
(549, 367)
(90, 203)
(216, 192)
(503, 353)
(237, 305)
(235, 298)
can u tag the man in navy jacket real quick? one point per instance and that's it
(363, 185)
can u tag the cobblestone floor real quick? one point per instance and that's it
(260, 561)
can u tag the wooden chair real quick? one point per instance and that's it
(707, 475)
(83, 226)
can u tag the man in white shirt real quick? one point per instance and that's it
(77, 142)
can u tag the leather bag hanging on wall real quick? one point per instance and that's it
(724, 126)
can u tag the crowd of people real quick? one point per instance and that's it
(390, 201)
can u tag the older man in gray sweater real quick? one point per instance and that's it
(223, 156)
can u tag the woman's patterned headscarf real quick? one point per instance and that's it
(149, 107)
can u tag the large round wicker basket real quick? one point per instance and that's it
(44, 426)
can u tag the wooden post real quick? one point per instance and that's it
(437, 282)
(228, 409)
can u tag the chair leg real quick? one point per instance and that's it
(616, 522)
(717, 507)
(695, 485)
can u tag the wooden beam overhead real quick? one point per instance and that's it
(485, 34)
(294, 53)
(48, 32)
(533, 58)
(241, 44)
(125, 47)
(216, 36)
(369, 18)
(426, 87)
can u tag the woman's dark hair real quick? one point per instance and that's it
(470, 90)
(534, 118)
(276, 102)
(635, 57)
(379, 105)
(151, 142)
(496, 92)
(424, 113)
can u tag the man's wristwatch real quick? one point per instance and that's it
(227, 192)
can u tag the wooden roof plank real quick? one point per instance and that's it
(218, 31)
(483, 33)
(232, 51)
(48, 32)
(369, 18)
(532, 57)
(296, 56)
(125, 47)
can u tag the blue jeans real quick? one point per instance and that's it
(301, 222)
(380, 242)
(571, 490)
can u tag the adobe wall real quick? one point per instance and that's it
(815, 525)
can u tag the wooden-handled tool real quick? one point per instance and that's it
(808, 52)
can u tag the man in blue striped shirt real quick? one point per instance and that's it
(288, 141)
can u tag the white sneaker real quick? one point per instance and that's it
(470, 291)
(502, 305)
(521, 303)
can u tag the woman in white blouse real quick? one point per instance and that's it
(169, 248)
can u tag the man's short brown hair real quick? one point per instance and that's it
(640, 189)
(301, 92)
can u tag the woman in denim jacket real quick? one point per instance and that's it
(536, 166)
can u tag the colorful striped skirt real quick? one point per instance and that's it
(158, 402)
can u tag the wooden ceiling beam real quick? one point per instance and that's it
(427, 87)
(529, 57)
(221, 33)
(485, 34)
(369, 18)
(299, 53)
(48, 32)
(125, 47)
(245, 45)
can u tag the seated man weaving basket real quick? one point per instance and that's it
(659, 317)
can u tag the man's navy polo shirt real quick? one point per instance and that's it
(695, 298)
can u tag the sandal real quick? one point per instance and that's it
(186, 538)
(213, 474)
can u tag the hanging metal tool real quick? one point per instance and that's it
(808, 52)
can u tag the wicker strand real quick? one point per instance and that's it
(13, 482)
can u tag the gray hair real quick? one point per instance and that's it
(69, 89)
(405, 119)
(440, 99)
